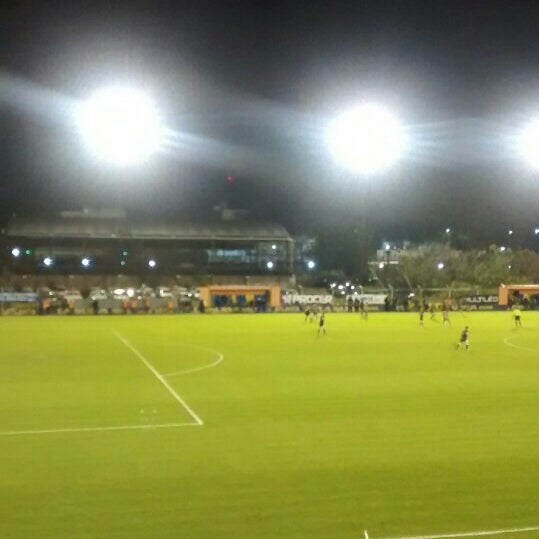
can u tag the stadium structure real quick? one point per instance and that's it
(108, 242)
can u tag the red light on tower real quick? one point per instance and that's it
(230, 179)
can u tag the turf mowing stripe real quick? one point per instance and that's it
(160, 377)
(97, 429)
(469, 534)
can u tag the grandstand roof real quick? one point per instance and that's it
(99, 228)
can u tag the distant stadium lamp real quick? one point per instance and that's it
(510, 232)
(152, 263)
(86, 262)
(441, 265)
(341, 287)
(333, 285)
(311, 264)
(387, 247)
(120, 125)
(47, 261)
(273, 246)
(16, 252)
(269, 264)
(529, 143)
(502, 248)
(366, 139)
(536, 231)
(448, 231)
(381, 265)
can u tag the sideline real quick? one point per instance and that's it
(480, 533)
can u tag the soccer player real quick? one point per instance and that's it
(307, 313)
(322, 324)
(432, 310)
(421, 316)
(516, 316)
(445, 315)
(464, 339)
(364, 310)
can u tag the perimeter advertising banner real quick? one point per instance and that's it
(307, 299)
(478, 302)
(17, 297)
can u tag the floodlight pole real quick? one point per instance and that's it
(363, 233)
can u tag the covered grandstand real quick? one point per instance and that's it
(110, 243)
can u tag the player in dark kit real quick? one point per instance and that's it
(307, 313)
(464, 339)
(322, 324)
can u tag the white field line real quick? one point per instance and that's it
(509, 343)
(219, 355)
(480, 533)
(161, 378)
(97, 429)
(366, 534)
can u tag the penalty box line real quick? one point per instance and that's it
(480, 533)
(161, 378)
(96, 429)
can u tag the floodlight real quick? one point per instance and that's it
(366, 139)
(387, 247)
(120, 125)
(333, 285)
(86, 262)
(502, 248)
(274, 246)
(441, 265)
(311, 264)
(269, 264)
(448, 231)
(47, 261)
(152, 263)
(510, 232)
(536, 231)
(16, 252)
(381, 265)
(341, 287)
(347, 283)
(352, 287)
(529, 143)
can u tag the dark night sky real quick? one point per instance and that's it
(251, 85)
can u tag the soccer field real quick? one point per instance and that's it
(251, 426)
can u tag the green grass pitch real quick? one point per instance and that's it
(381, 426)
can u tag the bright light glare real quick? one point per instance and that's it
(381, 265)
(16, 252)
(274, 246)
(502, 248)
(47, 261)
(86, 262)
(152, 263)
(269, 265)
(529, 143)
(366, 139)
(441, 265)
(311, 264)
(120, 125)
